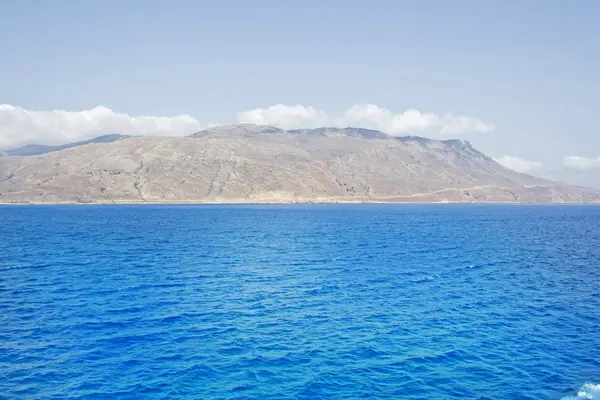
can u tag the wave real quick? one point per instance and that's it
(589, 391)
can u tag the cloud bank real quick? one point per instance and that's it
(520, 165)
(371, 116)
(582, 163)
(19, 126)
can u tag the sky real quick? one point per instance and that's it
(519, 79)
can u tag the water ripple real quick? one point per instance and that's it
(336, 302)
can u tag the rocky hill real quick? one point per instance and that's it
(264, 164)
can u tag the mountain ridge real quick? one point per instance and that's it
(247, 163)
(34, 149)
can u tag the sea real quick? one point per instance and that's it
(408, 301)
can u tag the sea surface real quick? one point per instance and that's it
(300, 302)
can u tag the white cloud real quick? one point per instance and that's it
(19, 126)
(413, 121)
(375, 117)
(582, 163)
(520, 165)
(285, 117)
(409, 122)
(459, 125)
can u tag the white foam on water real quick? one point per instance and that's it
(589, 391)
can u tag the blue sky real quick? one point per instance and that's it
(527, 70)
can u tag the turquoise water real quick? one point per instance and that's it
(304, 302)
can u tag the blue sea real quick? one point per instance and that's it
(300, 302)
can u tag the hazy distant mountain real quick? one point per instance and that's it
(38, 149)
(249, 163)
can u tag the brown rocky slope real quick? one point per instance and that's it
(262, 164)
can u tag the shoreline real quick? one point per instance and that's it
(279, 203)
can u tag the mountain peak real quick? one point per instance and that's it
(238, 129)
(349, 131)
(244, 129)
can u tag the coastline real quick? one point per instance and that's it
(274, 203)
